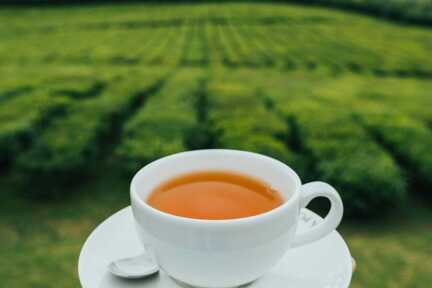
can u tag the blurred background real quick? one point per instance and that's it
(89, 92)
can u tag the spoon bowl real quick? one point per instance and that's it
(133, 267)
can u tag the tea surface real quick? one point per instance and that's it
(214, 195)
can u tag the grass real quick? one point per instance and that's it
(392, 253)
(92, 93)
(44, 238)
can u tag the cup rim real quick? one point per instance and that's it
(250, 219)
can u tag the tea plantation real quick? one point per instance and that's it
(302, 85)
(406, 11)
(95, 91)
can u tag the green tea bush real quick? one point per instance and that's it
(406, 11)
(241, 36)
(11, 91)
(247, 45)
(196, 46)
(157, 55)
(366, 176)
(229, 54)
(260, 50)
(242, 48)
(71, 143)
(175, 51)
(409, 140)
(355, 155)
(339, 150)
(21, 119)
(77, 87)
(240, 120)
(410, 11)
(161, 126)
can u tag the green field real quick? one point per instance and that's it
(90, 94)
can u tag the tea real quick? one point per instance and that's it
(214, 195)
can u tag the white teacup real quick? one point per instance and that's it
(227, 253)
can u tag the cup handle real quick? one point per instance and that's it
(308, 192)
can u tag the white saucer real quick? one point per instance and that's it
(323, 264)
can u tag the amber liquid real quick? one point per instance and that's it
(214, 195)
